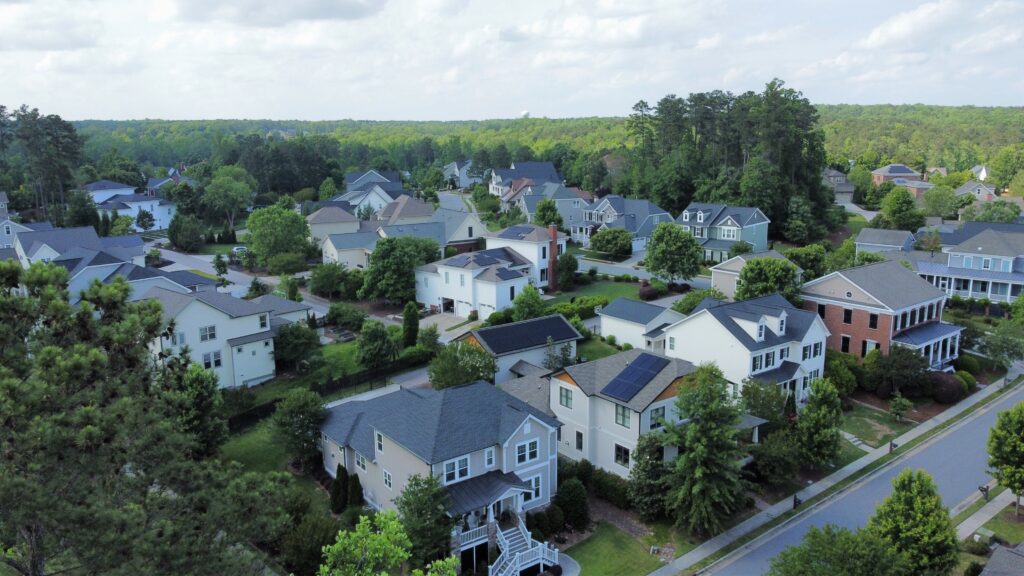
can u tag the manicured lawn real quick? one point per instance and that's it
(339, 358)
(872, 426)
(611, 552)
(664, 533)
(593, 349)
(847, 453)
(214, 249)
(607, 289)
(855, 223)
(204, 274)
(1007, 527)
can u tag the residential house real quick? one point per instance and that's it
(639, 324)
(160, 185)
(521, 348)
(540, 246)
(9, 229)
(717, 227)
(373, 188)
(877, 306)
(883, 240)
(356, 180)
(535, 172)
(351, 250)
(462, 229)
(131, 205)
(495, 455)
(980, 172)
(891, 172)
(103, 190)
(85, 266)
(458, 174)
(570, 205)
(979, 189)
(232, 337)
(766, 339)
(954, 233)
(842, 190)
(933, 171)
(916, 187)
(638, 217)
(46, 245)
(1005, 561)
(725, 275)
(330, 220)
(405, 210)
(484, 282)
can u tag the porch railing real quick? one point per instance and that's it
(472, 535)
(510, 563)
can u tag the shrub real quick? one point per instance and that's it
(975, 568)
(537, 535)
(345, 315)
(355, 491)
(648, 292)
(585, 472)
(627, 346)
(592, 272)
(611, 488)
(610, 339)
(500, 317)
(473, 316)
(968, 379)
(956, 301)
(583, 307)
(618, 278)
(566, 469)
(946, 388)
(968, 364)
(972, 546)
(556, 519)
(538, 522)
(605, 277)
(301, 549)
(660, 286)
(415, 355)
(339, 490)
(286, 263)
(572, 498)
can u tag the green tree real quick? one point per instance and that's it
(764, 276)
(930, 241)
(122, 226)
(297, 419)
(837, 366)
(766, 401)
(839, 552)
(614, 241)
(144, 220)
(376, 348)
(739, 248)
(691, 299)
(913, 520)
(328, 189)
(229, 192)
(81, 211)
(346, 316)
(186, 233)
(902, 371)
(373, 548)
(339, 490)
(295, 343)
(257, 288)
(528, 304)
(429, 338)
(777, 457)
(565, 271)
(704, 485)
(800, 222)
(939, 201)
(422, 509)
(997, 211)
(1006, 450)
(186, 198)
(818, 423)
(410, 323)
(898, 406)
(547, 214)
(811, 259)
(391, 273)
(364, 212)
(327, 279)
(220, 267)
(672, 253)
(460, 363)
(647, 478)
(302, 547)
(275, 230)
(196, 402)
(901, 211)
(1004, 344)
(572, 499)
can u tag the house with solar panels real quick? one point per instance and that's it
(765, 340)
(520, 348)
(891, 172)
(539, 245)
(484, 281)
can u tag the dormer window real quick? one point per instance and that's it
(686, 216)
(760, 331)
(700, 216)
(782, 324)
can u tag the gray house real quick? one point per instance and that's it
(717, 227)
(457, 174)
(883, 240)
(496, 456)
(638, 217)
(569, 204)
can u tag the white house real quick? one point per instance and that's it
(531, 172)
(131, 204)
(103, 190)
(540, 246)
(766, 339)
(639, 324)
(232, 337)
(520, 348)
(47, 245)
(485, 282)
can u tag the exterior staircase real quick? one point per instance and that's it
(517, 541)
(519, 551)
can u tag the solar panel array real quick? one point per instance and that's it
(900, 169)
(634, 377)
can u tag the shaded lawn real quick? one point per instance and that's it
(339, 358)
(847, 453)
(1007, 526)
(664, 533)
(214, 249)
(611, 552)
(204, 274)
(607, 289)
(594, 348)
(873, 426)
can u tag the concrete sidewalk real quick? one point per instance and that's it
(755, 522)
(984, 514)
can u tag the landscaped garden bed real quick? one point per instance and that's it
(873, 426)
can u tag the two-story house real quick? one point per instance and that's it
(46, 245)
(131, 205)
(405, 210)
(637, 216)
(458, 174)
(877, 306)
(103, 190)
(85, 266)
(764, 339)
(232, 337)
(891, 172)
(495, 455)
(520, 348)
(540, 246)
(725, 275)
(9, 229)
(836, 181)
(717, 227)
(532, 172)
(977, 189)
(639, 324)
(570, 205)
(331, 220)
(484, 282)
(374, 189)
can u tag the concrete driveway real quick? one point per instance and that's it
(853, 208)
(446, 321)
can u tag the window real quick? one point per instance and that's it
(873, 321)
(263, 321)
(931, 311)
(760, 331)
(565, 397)
(178, 339)
(489, 456)
(543, 252)
(782, 325)
(7, 229)
(657, 415)
(807, 352)
(470, 231)
(527, 451)
(863, 348)
(986, 263)
(446, 277)
(622, 415)
(379, 441)
(755, 363)
(387, 479)
(817, 349)
(211, 360)
(622, 455)
(534, 492)
(462, 280)
(579, 441)
(847, 316)
(511, 292)
(207, 333)
(821, 311)
(845, 345)
(455, 470)
(769, 359)
(239, 350)
(783, 354)
(360, 462)
(266, 343)
(686, 216)
(728, 233)
(700, 216)
(913, 317)
(671, 342)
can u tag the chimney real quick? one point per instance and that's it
(552, 259)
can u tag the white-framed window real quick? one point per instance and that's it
(760, 331)
(527, 451)
(455, 470)
(7, 229)
(360, 462)
(178, 339)
(986, 263)
(686, 216)
(783, 354)
(489, 457)
(387, 479)
(446, 277)
(700, 216)
(671, 342)
(622, 455)
(239, 350)
(622, 415)
(565, 397)
(264, 321)
(769, 359)
(782, 325)
(535, 489)
(756, 363)
(207, 333)
(657, 414)
(728, 233)
(212, 360)
(817, 349)
(462, 280)
(379, 440)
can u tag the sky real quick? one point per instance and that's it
(476, 59)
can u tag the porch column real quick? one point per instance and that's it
(956, 345)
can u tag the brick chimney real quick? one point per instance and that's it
(552, 259)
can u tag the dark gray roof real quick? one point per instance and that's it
(100, 185)
(637, 216)
(524, 368)
(126, 241)
(798, 320)
(896, 170)
(592, 377)
(782, 373)
(632, 310)
(405, 207)
(481, 491)
(121, 200)
(484, 258)
(527, 232)
(188, 279)
(331, 214)
(77, 259)
(174, 302)
(1005, 562)
(255, 337)
(539, 172)
(532, 389)
(60, 239)
(525, 334)
(279, 306)
(37, 226)
(972, 228)
(389, 175)
(992, 243)
(8, 254)
(499, 273)
(353, 240)
(435, 425)
(884, 237)
(924, 333)
(715, 214)
(892, 284)
(432, 230)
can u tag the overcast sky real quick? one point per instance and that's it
(472, 59)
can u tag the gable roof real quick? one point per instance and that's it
(1005, 562)
(101, 185)
(434, 425)
(889, 283)
(729, 314)
(280, 305)
(525, 334)
(432, 230)
(452, 221)
(60, 239)
(991, 242)
(969, 187)
(353, 240)
(883, 237)
(633, 310)
(736, 263)
(484, 258)
(405, 207)
(386, 175)
(592, 377)
(896, 170)
(525, 232)
(716, 214)
(174, 302)
(330, 215)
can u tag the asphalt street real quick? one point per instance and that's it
(956, 459)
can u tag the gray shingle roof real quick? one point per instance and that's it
(798, 320)
(280, 305)
(715, 214)
(330, 215)
(991, 242)
(1005, 562)
(484, 258)
(254, 337)
(593, 376)
(174, 302)
(896, 170)
(883, 237)
(632, 310)
(480, 491)
(971, 228)
(969, 187)
(100, 185)
(892, 284)
(60, 239)
(432, 230)
(354, 240)
(188, 279)
(924, 333)
(783, 373)
(525, 334)
(405, 207)
(534, 389)
(435, 425)
(526, 232)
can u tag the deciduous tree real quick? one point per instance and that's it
(422, 509)
(673, 254)
(913, 520)
(376, 347)
(391, 273)
(837, 551)
(547, 213)
(614, 241)
(764, 276)
(275, 230)
(528, 304)
(818, 423)
(186, 233)
(460, 363)
(901, 211)
(297, 419)
(1006, 450)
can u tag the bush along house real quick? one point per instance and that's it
(496, 455)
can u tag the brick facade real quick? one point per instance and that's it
(858, 329)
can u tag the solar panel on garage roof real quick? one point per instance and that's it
(634, 377)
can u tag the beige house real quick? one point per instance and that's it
(496, 456)
(405, 210)
(724, 275)
(331, 220)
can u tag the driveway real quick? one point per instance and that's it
(444, 322)
(853, 208)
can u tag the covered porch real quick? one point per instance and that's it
(483, 506)
(790, 377)
(938, 342)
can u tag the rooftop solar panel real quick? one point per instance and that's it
(634, 377)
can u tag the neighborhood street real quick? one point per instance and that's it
(957, 459)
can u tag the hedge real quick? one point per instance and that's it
(611, 488)
(583, 307)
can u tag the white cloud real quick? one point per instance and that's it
(912, 25)
(708, 42)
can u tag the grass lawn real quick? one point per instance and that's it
(847, 453)
(1007, 527)
(608, 289)
(966, 512)
(611, 552)
(593, 349)
(204, 274)
(214, 249)
(338, 358)
(872, 426)
(664, 533)
(855, 223)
